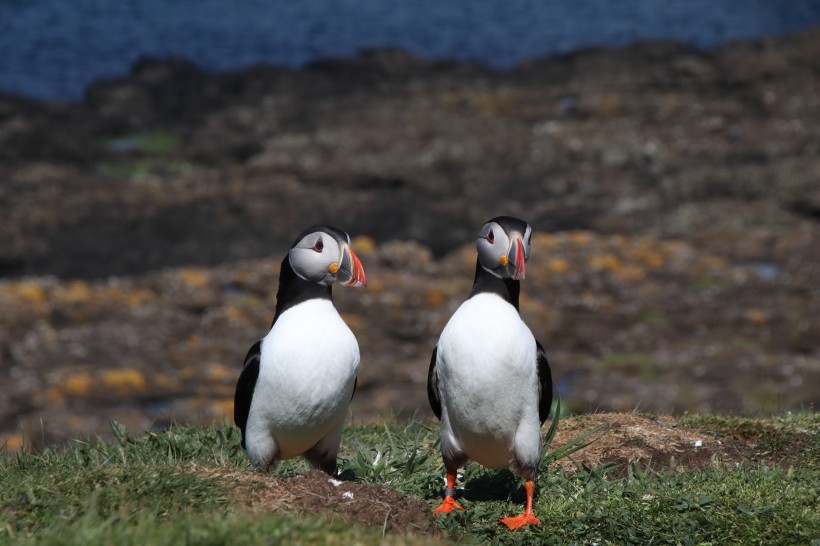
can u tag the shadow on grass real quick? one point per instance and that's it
(348, 475)
(494, 485)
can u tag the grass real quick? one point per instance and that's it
(638, 364)
(205, 529)
(150, 489)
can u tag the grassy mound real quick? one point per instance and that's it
(702, 479)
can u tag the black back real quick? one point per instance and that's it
(544, 383)
(432, 386)
(244, 388)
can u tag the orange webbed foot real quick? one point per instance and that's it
(516, 522)
(447, 505)
(527, 518)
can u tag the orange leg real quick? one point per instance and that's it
(449, 503)
(514, 522)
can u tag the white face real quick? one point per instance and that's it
(503, 253)
(322, 257)
(312, 257)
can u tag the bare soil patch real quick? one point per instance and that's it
(660, 443)
(370, 505)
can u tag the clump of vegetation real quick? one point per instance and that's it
(194, 485)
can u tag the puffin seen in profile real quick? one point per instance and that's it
(489, 381)
(297, 382)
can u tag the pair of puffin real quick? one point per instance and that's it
(489, 381)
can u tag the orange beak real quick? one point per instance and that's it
(351, 272)
(518, 259)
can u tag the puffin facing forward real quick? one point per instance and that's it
(489, 380)
(297, 382)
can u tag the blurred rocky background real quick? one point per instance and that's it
(675, 195)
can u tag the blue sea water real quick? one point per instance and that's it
(54, 48)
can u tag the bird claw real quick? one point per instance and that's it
(447, 505)
(516, 522)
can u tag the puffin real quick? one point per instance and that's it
(489, 381)
(297, 382)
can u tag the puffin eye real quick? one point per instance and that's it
(318, 245)
(491, 236)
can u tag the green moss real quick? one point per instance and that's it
(153, 142)
(654, 318)
(638, 364)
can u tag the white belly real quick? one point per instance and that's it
(488, 380)
(306, 376)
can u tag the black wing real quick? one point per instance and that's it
(544, 383)
(432, 386)
(245, 387)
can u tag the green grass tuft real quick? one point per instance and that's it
(147, 489)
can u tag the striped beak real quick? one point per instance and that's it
(351, 272)
(517, 259)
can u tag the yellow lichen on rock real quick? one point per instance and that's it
(580, 238)
(55, 395)
(217, 371)
(77, 383)
(124, 380)
(609, 262)
(375, 285)
(631, 273)
(135, 298)
(434, 297)
(193, 278)
(557, 266)
(222, 409)
(165, 381)
(12, 442)
(716, 262)
(236, 314)
(651, 258)
(756, 317)
(363, 245)
(75, 292)
(29, 291)
(544, 240)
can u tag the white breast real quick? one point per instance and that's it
(487, 378)
(307, 371)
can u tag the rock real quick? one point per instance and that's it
(673, 193)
